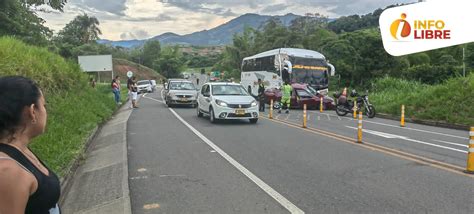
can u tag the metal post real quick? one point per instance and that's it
(470, 154)
(304, 116)
(270, 115)
(402, 120)
(359, 129)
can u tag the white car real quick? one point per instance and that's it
(180, 92)
(144, 86)
(224, 101)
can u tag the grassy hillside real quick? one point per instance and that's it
(450, 102)
(74, 108)
(122, 66)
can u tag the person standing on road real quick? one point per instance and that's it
(27, 185)
(286, 97)
(116, 89)
(261, 96)
(134, 92)
(92, 82)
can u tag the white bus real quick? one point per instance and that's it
(303, 66)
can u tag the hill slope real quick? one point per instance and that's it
(220, 35)
(122, 66)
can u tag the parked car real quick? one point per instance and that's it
(226, 101)
(144, 86)
(301, 95)
(180, 92)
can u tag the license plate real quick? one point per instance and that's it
(184, 99)
(240, 112)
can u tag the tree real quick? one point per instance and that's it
(151, 52)
(170, 63)
(55, 4)
(82, 30)
(16, 19)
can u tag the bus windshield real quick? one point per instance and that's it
(311, 71)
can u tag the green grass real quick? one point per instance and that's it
(450, 102)
(74, 108)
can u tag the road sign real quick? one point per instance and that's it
(129, 74)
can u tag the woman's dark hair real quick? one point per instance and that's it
(112, 83)
(16, 92)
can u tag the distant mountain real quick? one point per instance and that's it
(221, 35)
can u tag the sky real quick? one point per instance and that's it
(142, 19)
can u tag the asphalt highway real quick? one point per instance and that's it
(179, 163)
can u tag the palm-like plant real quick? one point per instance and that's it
(89, 30)
(82, 30)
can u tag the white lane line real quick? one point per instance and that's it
(319, 117)
(329, 118)
(287, 117)
(455, 144)
(387, 135)
(309, 116)
(339, 118)
(419, 130)
(265, 187)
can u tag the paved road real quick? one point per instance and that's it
(193, 166)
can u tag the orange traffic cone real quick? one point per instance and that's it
(344, 92)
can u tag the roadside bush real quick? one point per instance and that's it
(74, 108)
(449, 102)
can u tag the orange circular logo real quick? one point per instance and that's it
(406, 28)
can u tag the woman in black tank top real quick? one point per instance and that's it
(27, 184)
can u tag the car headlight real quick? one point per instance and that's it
(253, 103)
(221, 103)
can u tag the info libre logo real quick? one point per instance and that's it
(422, 29)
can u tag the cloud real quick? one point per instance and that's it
(127, 36)
(349, 7)
(163, 18)
(141, 34)
(274, 8)
(117, 7)
(211, 7)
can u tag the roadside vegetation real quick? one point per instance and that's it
(449, 102)
(74, 107)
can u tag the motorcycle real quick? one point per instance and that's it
(345, 106)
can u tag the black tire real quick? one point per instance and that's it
(199, 113)
(253, 121)
(212, 117)
(169, 104)
(276, 105)
(340, 110)
(371, 112)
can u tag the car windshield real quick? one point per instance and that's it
(312, 90)
(228, 90)
(182, 86)
(303, 93)
(143, 82)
